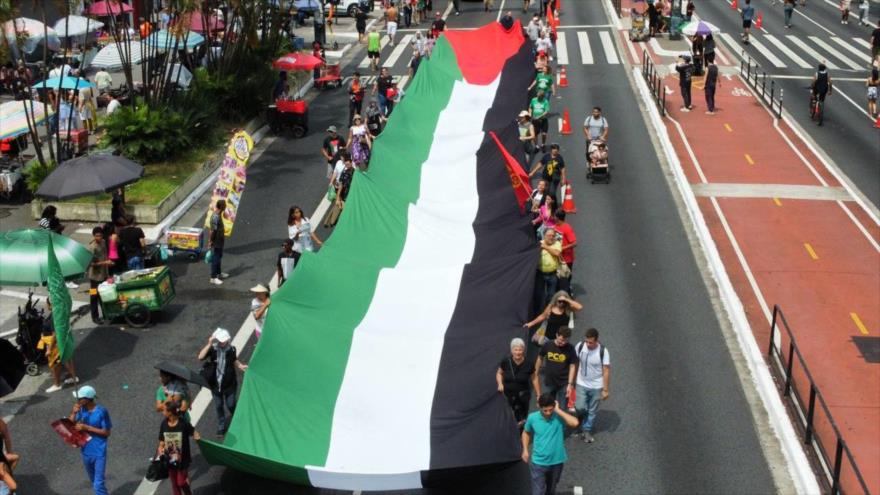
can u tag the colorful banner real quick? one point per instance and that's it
(231, 181)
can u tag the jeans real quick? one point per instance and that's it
(222, 401)
(545, 478)
(789, 10)
(179, 479)
(686, 94)
(354, 108)
(550, 281)
(456, 5)
(95, 469)
(558, 392)
(217, 256)
(136, 263)
(586, 403)
(383, 104)
(710, 98)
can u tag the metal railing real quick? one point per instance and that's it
(655, 82)
(815, 428)
(749, 70)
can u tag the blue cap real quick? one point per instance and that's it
(85, 392)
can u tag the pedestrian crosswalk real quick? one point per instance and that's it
(837, 53)
(565, 52)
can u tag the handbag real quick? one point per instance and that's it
(209, 256)
(563, 270)
(157, 470)
(539, 336)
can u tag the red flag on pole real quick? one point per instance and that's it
(519, 179)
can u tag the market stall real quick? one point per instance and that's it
(135, 294)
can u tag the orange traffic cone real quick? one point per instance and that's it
(563, 78)
(759, 21)
(566, 122)
(877, 122)
(734, 5)
(568, 204)
(558, 7)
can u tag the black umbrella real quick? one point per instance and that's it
(182, 372)
(12, 367)
(91, 174)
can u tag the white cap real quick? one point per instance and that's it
(221, 335)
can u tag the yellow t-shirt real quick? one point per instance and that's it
(550, 263)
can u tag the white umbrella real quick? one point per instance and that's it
(75, 25)
(109, 56)
(32, 31)
(699, 27)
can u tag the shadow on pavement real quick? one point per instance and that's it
(102, 345)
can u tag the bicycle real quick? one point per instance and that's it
(817, 108)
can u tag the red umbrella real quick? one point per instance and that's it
(108, 7)
(197, 23)
(298, 61)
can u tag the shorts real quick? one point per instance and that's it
(541, 125)
(392, 29)
(873, 93)
(373, 54)
(747, 24)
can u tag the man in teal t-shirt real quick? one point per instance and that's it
(539, 109)
(545, 430)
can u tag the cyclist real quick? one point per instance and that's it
(821, 85)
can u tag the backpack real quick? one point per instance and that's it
(580, 346)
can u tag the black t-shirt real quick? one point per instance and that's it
(516, 377)
(685, 72)
(360, 19)
(130, 240)
(117, 208)
(414, 64)
(230, 379)
(438, 25)
(554, 323)
(552, 167)
(176, 440)
(875, 37)
(383, 83)
(333, 146)
(556, 362)
(345, 182)
(712, 75)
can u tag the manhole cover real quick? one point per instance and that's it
(5, 212)
(869, 347)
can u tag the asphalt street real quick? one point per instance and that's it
(678, 420)
(847, 134)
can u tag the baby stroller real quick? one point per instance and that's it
(289, 115)
(598, 169)
(30, 324)
(639, 30)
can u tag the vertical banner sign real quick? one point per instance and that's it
(231, 181)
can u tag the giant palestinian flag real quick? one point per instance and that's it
(376, 366)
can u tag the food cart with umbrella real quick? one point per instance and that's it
(29, 35)
(110, 57)
(134, 294)
(16, 117)
(292, 115)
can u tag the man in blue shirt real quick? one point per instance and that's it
(94, 420)
(748, 14)
(545, 430)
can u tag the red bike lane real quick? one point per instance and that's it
(790, 235)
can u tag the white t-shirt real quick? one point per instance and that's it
(589, 373)
(337, 171)
(304, 241)
(544, 44)
(255, 305)
(113, 106)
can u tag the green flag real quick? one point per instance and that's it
(61, 305)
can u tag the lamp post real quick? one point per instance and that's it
(676, 17)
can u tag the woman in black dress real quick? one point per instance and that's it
(557, 315)
(514, 376)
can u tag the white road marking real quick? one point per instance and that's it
(500, 10)
(584, 45)
(398, 51)
(855, 51)
(561, 49)
(863, 42)
(731, 43)
(401, 82)
(813, 53)
(830, 49)
(578, 490)
(608, 47)
(763, 50)
(788, 51)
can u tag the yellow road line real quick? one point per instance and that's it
(778, 203)
(729, 129)
(858, 322)
(749, 159)
(811, 251)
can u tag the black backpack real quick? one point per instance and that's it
(580, 346)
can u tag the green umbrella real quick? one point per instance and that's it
(24, 256)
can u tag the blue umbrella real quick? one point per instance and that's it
(67, 82)
(165, 40)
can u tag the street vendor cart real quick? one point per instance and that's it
(135, 294)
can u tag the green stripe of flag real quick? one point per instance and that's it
(61, 305)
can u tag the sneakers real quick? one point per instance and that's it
(53, 388)
(216, 281)
(223, 275)
(587, 437)
(71, 381)
(685, 109)
(71, 285)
